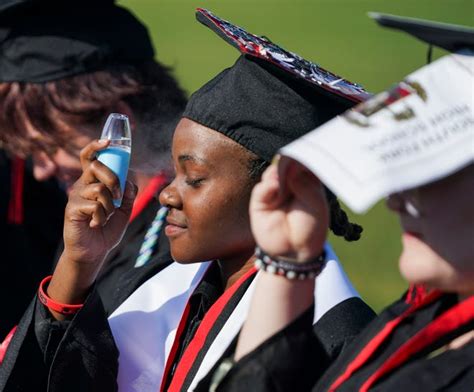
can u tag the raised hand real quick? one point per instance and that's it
(93, 226)
(289, 212)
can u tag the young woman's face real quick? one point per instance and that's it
(438, 238)
(209, 196)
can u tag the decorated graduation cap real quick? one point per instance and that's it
(45, 40)
(270, 96)
(450, 37)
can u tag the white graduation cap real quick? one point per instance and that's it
(420, 130)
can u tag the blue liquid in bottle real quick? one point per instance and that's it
(117, 159)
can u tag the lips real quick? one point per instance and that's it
(174, 227)
(411, 234)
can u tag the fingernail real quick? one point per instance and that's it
(103, 141)
(276, 159)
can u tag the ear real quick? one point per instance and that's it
(124, 108)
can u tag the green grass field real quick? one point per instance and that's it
(338, 35)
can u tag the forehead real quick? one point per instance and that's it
(66, 137)
(197, 142)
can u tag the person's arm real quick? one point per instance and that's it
(52, 343)
(92, 227)
(289, 219)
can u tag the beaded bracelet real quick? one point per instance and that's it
(67, 310)
(307, 270)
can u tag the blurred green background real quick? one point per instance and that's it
(338, 35)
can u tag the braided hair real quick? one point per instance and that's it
(340, 224)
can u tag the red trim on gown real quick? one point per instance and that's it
(15, 206)
(5, 344)
(197, 343)
(150, 191)
(449, 321)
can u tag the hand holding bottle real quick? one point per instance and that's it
(96, 216)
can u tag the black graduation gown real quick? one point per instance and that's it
(427, 368)
(83, 349)
(28, 247)
(76, 355)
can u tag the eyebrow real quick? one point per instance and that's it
(191, 158)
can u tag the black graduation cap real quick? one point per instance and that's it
(45, 40)
(270, 96)
(450, 37)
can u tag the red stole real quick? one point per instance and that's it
(454, 318)
(197, 344)
(151, 190)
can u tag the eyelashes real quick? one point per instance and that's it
(195, 183)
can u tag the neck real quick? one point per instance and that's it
(233, 269)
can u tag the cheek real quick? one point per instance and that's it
(218, 227)
(67, 161)
(418, 263)
(227, 214)
(449, 234)
(421, 264)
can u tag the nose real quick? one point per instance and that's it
(170, 197)
(43, 166)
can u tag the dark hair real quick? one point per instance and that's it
(82, 102)
(340, 224)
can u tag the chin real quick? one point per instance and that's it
(419, 264)
(180, 261)
(186, 258)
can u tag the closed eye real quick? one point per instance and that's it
(195, 183)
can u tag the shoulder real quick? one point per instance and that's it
(342, 323)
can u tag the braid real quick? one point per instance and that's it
(340, 224)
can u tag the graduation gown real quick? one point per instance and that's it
(76, 355)
(83, 354)
(31, 227)
(403, 349)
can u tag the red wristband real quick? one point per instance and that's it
(53, 305)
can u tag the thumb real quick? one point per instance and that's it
(128, 199)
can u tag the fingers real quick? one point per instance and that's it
(95, 171)
(88, 153)
(98, 172)
(301, 182)
(94, 203)
(122, 214)
(288, 183)
(129, 195)
(266, 193)
(87, 210)
(99, 192)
